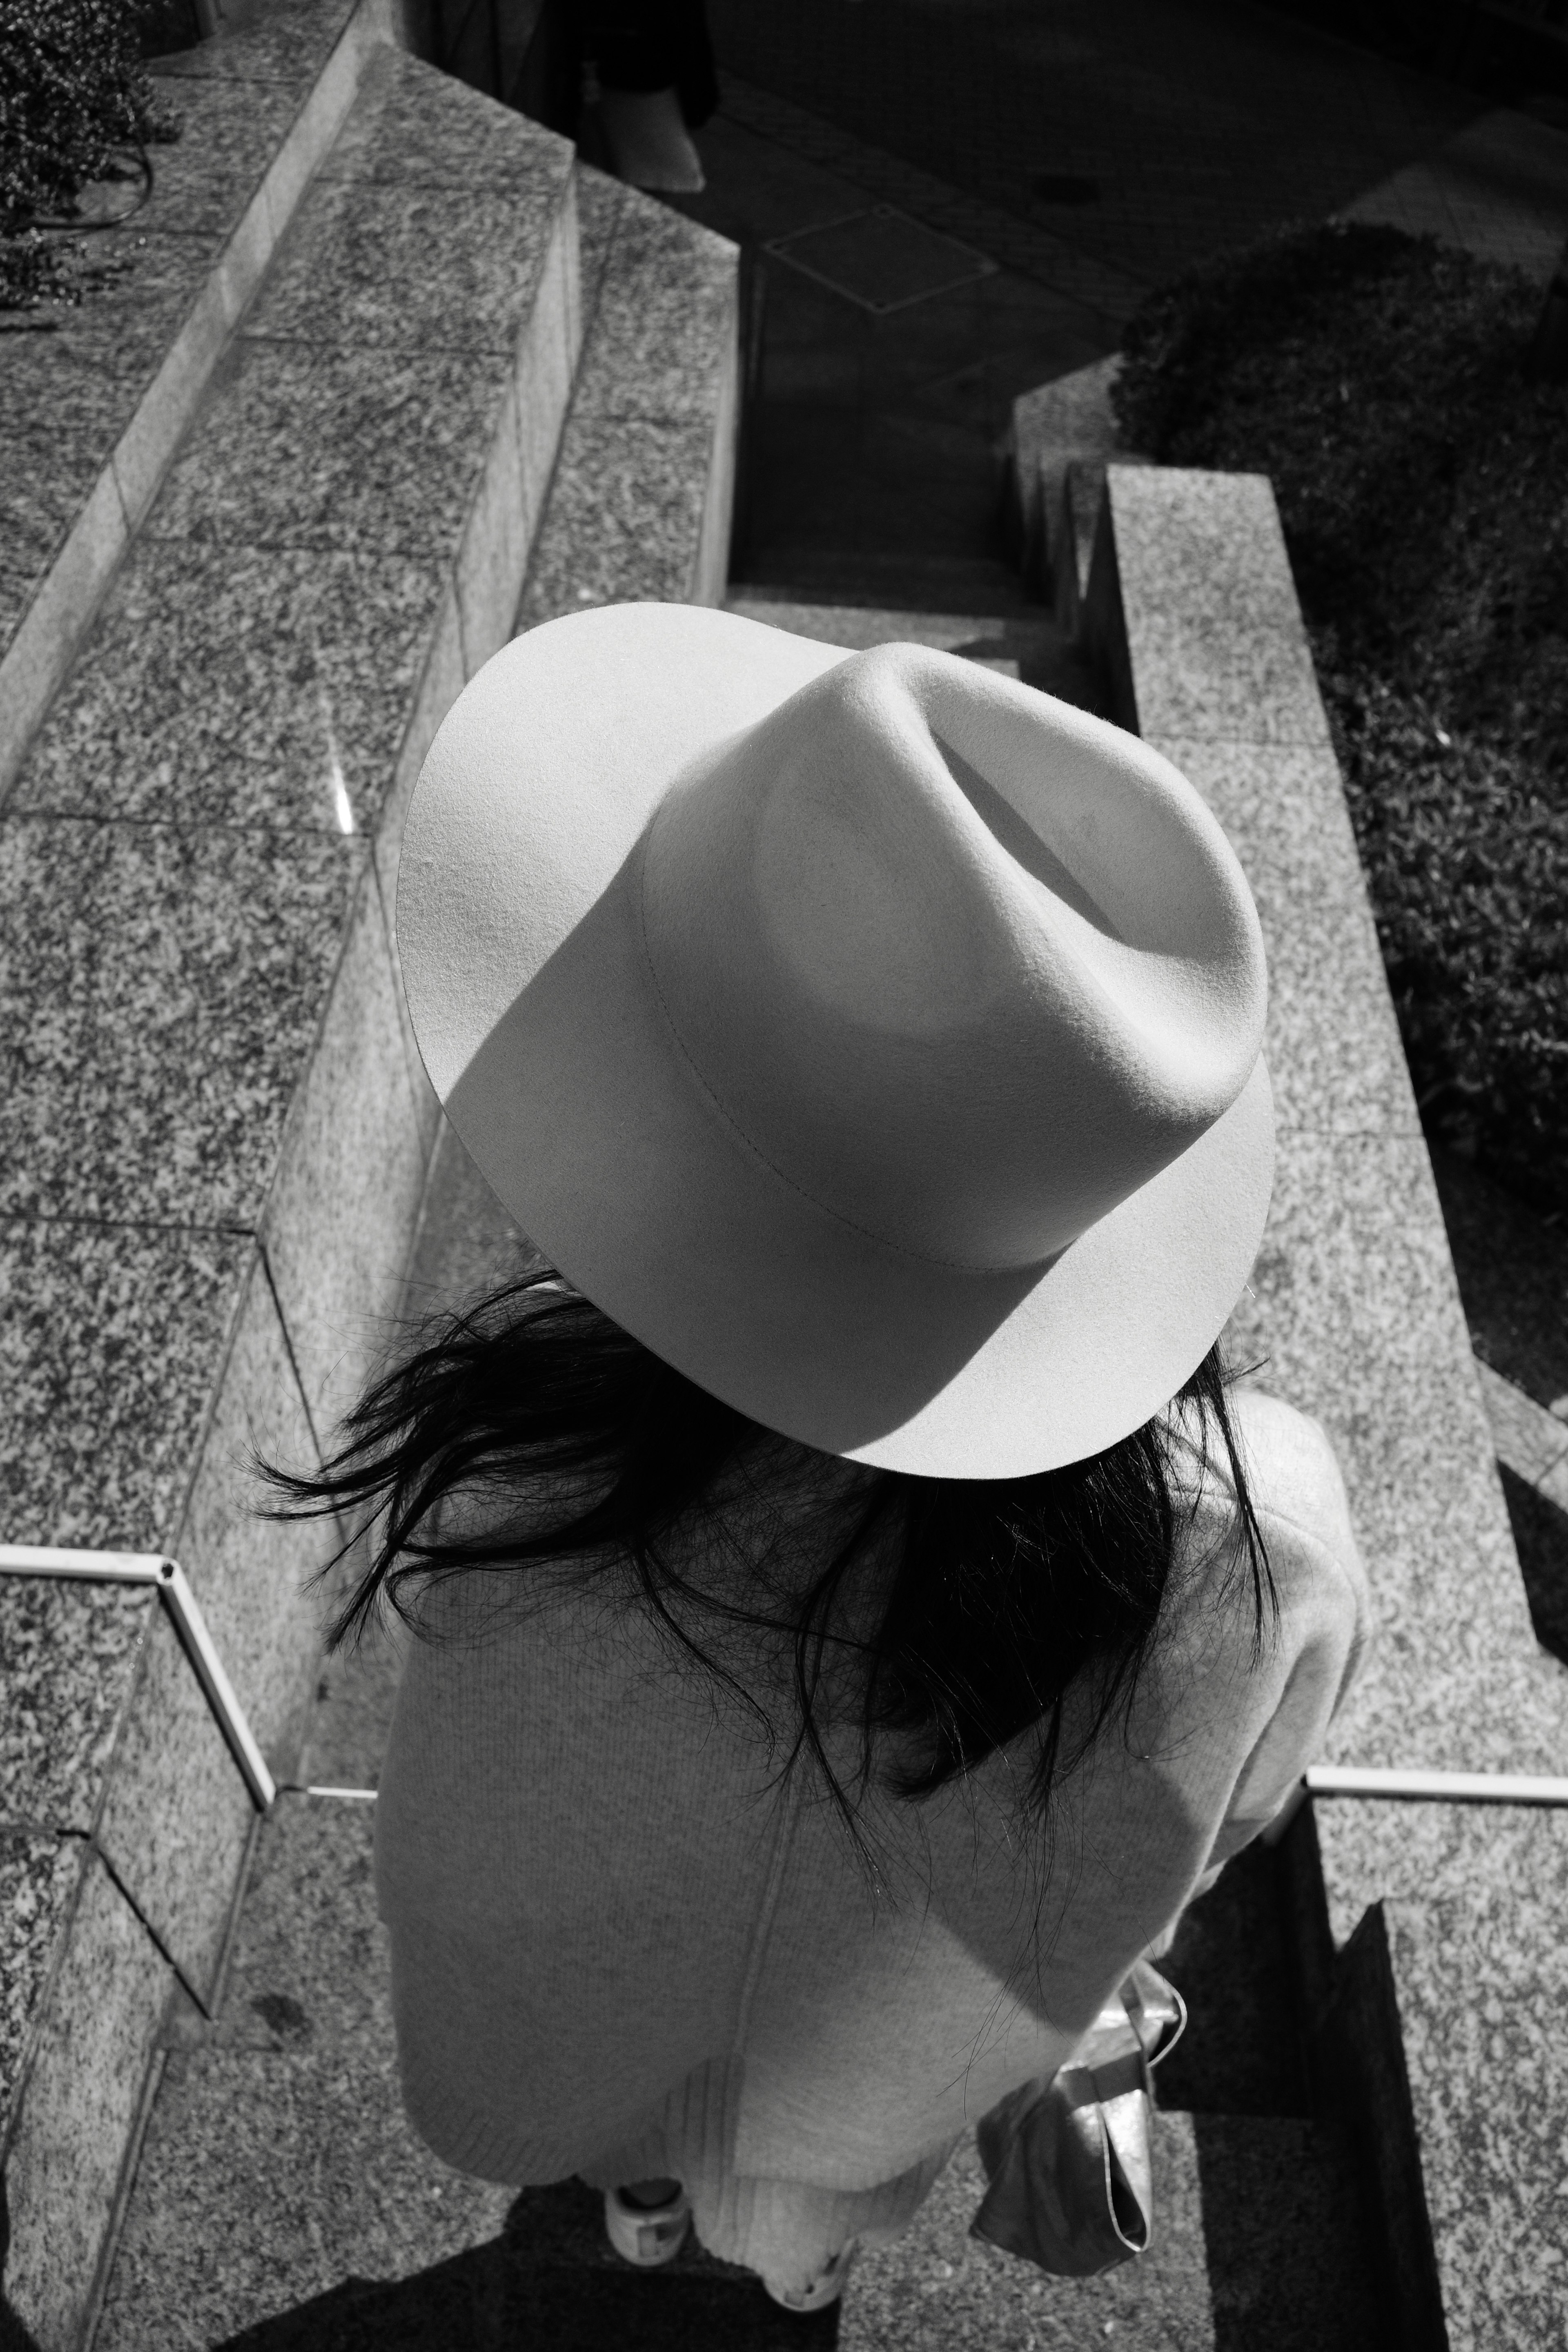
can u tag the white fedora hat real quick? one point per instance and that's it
(873, 1038)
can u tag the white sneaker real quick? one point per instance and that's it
(646, 2234)
(825, 2288)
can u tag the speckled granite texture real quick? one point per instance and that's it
(198, 1003)
(128, 366)
(322, 445)
(1217, 646)
(1481, 1988)
(68, 1658)
(466, 278)
(40, 1874)
(309, 663)
(100, 1440)
(1332, 1042)
(78, 2107)
(1353, 1313)
(159, 990)
(644, 474)
(221, 2235)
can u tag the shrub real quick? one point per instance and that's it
(1423, 486)
(75, 102)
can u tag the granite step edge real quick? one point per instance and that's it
(65, 599)
(1398, 1883)
(641, 498)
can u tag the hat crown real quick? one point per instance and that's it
(965, 967)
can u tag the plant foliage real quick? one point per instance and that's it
(1422, 481)
(76, 106)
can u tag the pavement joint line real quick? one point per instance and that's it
(170, 1580)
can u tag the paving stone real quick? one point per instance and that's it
(624, 516)
(1204, 128)
(937, 2286)
(309, 1970)
(155, 1057)
(311, 446)
(355, 1691)
(69, 1655)
(262, 2186)
(79, 2108)
(372, 265)
(177, 1816)
(666, 311)
(1101, 294)
(309, 662)
(1499, 189)
(99, 1443)
(40, 1876)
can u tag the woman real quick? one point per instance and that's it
(857, 1619)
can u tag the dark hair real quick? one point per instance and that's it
(570, 1446)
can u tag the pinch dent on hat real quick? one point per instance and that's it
(872, 1036)
(908, 1016)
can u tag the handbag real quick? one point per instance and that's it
(1069, 2158)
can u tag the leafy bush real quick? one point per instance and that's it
(75, 102)
(1422, 485)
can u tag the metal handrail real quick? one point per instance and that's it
(169, 1579)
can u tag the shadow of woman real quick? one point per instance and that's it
(548, 2283)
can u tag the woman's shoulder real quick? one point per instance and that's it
(1296, 1490)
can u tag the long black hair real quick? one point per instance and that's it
(528, 1431)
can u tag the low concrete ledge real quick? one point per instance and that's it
(1450, 1923)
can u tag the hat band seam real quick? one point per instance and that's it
(915, 1257)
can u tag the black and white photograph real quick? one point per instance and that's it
(783, 1175)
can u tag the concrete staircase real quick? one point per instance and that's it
(397, 368)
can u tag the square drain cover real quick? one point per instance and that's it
(881, 258)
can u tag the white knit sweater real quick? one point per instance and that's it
(619, 1949)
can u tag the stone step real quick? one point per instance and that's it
(95, 410)
(642, 494)
(1024, 643)
(217, 1129)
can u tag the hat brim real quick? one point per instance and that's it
(533, 1005)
